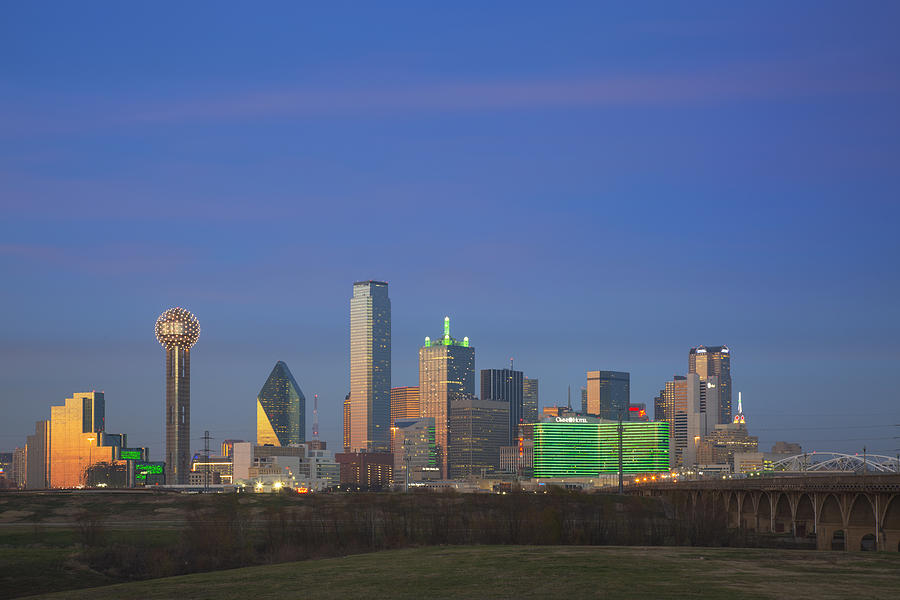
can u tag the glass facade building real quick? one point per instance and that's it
(714, 360)
(506, 385)
(446, 374)
(77, 439)
(530, 400)
(608, 394)
(37, 457)
(370, 367)
(675, 412)
(177, 331)
(585, 447)
(280, 409)
(404, 403)
(478, 429)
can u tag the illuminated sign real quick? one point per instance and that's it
(131, 454)
(571, 420)
(142, 470)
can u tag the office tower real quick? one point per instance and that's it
(659, 406)
(586, 447)
(370, 367)
(478, 429)
(505, 385)
(18, 467)
(177, 331)
(608, 394)
(280, 409)
(347, 423)
(675, 405)
(405, 403)
(530, 400)
(699, 395)
(37, 457)
(714, 360)
(415, 447)
(584, 410)
(78, 439)
(446, 374)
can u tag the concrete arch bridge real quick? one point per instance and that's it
(842, 511)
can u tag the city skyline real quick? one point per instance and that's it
(560, 183)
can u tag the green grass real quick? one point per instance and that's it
(538, 572)
(40, 570)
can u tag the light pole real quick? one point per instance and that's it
(621, 429)
(406, 457)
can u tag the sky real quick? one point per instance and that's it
(579, 186)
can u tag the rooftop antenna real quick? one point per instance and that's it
(316, 417)
(510, 363)
(570, 396)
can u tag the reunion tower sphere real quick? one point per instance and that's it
(177, 327)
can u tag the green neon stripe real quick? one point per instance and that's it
(591, 449)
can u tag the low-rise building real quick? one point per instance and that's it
(367, 470)
(719, 446)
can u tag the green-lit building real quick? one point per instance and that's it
(583, 446)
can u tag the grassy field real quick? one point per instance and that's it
(538, 572)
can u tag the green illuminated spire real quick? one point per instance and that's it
(446, 327)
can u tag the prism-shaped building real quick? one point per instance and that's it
(280, 409)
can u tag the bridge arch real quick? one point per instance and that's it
(784, 517)
(764, 512)
(861, 522)
(805, 516)
(891, 524)
(830, 522)
(734, 517)
(748, 511)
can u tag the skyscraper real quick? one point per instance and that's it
(177, 330)
(78, 439)
(608, 394)
(505, 385)
(478, 429)
(370, 367)
(714, 360)
(280, 409)
(37, 457)
(530, 400)
(347, 422)
(675, 406)
(446, 374)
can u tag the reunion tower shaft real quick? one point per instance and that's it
(177, 330)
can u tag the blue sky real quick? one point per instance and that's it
(587, 187)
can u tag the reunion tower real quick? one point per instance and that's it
(177, 330)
